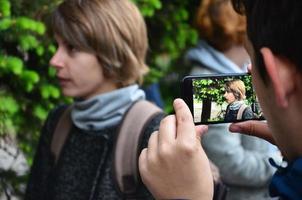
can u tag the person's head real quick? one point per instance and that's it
(112, 33)
(276, 25)
(275, 45)
(234, 91)
(218, 24)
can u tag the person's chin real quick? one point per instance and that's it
(68, 93)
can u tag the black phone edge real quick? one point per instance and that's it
(187, 93)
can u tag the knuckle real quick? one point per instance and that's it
(182, 119)
(153, 137)
(164, 152)
(251, 129)
(152, 161)
(187, 149)
(142, 159)
(166, 120)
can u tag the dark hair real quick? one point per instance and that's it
(275, 24)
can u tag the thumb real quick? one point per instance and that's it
(200, 131)
(254, 128)
(184, 120)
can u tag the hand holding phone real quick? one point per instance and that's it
(221, 98)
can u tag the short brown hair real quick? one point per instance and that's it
(219, 24)
(113, 30)
(236, 87)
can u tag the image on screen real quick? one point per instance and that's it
(224, 99)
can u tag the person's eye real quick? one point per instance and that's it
(71, 48)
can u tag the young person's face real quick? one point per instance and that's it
(79, 73)
(229, 97)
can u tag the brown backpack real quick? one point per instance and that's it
(126, 147)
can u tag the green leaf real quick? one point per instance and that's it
(52, 49)
(48, 91)
(29, 87)
(5, 23)
(40, 28)
(28, 42)
(55, 92)
(5, 8)
(23, 22)
(40, 112)
(52, 71)
(14, 65)
(44, 90)
(30, 76)
(8, 104)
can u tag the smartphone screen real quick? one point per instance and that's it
(221, 98)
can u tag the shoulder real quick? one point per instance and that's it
(248, 113)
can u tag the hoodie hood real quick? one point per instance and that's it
(212, 59)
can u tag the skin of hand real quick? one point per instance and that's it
(255, 128)
(174, 166)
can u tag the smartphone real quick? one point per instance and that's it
(221, 98)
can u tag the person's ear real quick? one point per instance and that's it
(281, 73)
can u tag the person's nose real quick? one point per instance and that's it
(57, 60)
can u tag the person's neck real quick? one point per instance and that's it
(237, 54)
(105, 87)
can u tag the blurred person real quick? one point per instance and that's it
(100, 60)
(242, 160)
(220, 48)
(274, 44)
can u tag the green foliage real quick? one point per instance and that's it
(170, 35)
(5, 8)
(213, 89)
(148, 7)
(27, 90)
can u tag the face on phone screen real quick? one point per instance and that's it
(222, 99)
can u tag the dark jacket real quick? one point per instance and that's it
(84, 169)
(231, 115)
(287, 181)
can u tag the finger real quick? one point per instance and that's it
(152, 146)
(167, 130)
(200, 131)
(142, 162)
(254, 128)
(185, 125)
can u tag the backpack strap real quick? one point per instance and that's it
(61, 132)
(126, 150)
(125, 161)
(240, 111)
